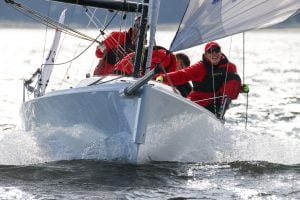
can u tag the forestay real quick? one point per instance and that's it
(207, 20)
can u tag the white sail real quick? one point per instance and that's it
(207, 20)
(47, 67)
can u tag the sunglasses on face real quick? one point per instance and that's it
(215, 50)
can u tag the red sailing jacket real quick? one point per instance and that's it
(113, 49)
(159, 57)
(225, 77)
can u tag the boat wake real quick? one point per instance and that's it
(52, 144)
(254, 145)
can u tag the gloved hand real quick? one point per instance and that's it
(245, 88)
(159, 79)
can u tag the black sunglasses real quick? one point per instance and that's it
(211, 50)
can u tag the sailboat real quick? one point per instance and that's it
(138, 119)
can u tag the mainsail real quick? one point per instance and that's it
(207, 20)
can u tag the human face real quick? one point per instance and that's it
(179, 64)
(135, 32)
(213, 55)
(135, 29)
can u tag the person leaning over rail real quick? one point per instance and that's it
(160, 57)
(114, 48)
(215, 80)
(183, 61)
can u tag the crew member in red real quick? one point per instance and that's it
(161, 57)
(114, 48)
(213, 78)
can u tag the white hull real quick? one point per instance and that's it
(155, 124)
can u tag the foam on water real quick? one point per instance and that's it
(223, 145)
(18, 147)
(51, 144)
(13, 193)
(252, 146)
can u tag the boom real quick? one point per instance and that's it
(126, 6)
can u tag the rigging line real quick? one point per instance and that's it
(64, 35)
(217, 29)
(91, 17)
(217, 97)
(46, 33)
(92, 64)
(64, 80)
(113, 40)
(243, 57)
(118, 77)
(92, 42)
(226, 74)
(60, 47)
(180, 24)
(63, 63)
(122, 51)
(165, 72)
(70, 64)
(96, 22)
(70, 61)
(247, 99)
(120, 48)
(214, 89)
(47, 21)
(170, 81)
(123, 23)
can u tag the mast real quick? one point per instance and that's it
(153, 17)
(126, 6)
(141, 39)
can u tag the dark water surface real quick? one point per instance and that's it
(88, 179)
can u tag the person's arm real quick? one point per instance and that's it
(194, 72)
(231, 88)
(232, 68)
(113, 41)
(125, 65)
(99, 50)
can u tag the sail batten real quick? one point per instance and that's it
(210, 20)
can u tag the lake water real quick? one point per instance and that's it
(264, 162)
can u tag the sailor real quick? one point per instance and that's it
(114, 48)
(215, 80)
(183, 61)
(161, 58)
